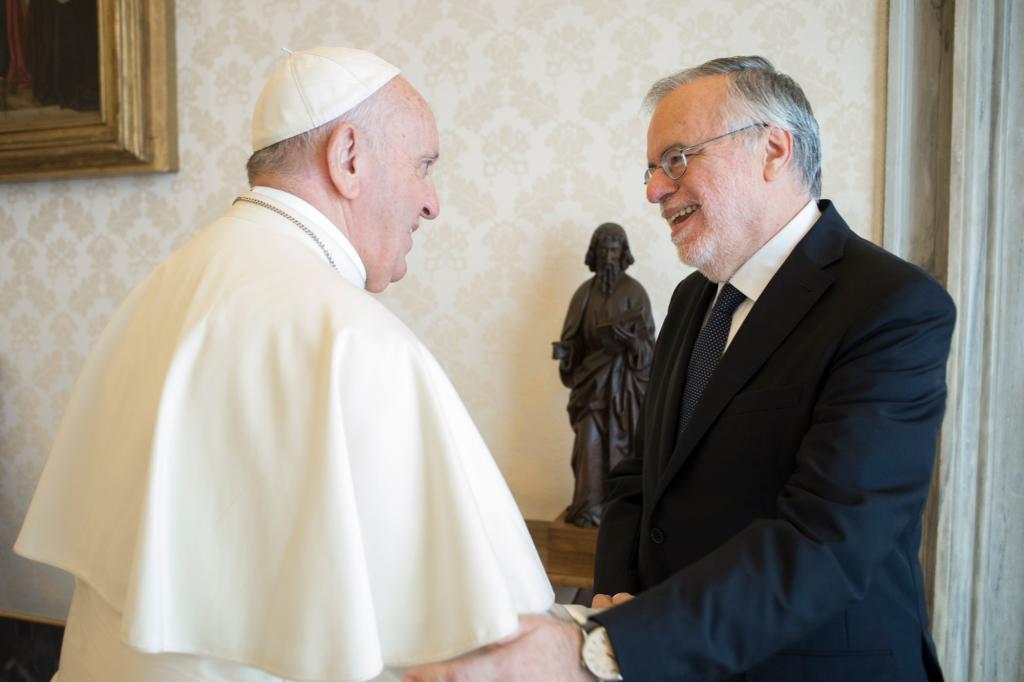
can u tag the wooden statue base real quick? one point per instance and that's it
(566, 551)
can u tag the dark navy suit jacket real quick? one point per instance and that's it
(778, 538)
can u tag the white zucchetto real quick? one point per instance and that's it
(311, 87)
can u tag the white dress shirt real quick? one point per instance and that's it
(753, 276)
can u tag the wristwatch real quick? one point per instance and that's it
(597, 654)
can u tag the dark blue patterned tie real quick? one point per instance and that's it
(707, 350)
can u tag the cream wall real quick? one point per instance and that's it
(541, 139)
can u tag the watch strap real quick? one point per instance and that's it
(597, 654)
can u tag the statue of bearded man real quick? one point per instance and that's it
(604, 357)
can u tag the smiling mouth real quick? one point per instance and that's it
(682, 214)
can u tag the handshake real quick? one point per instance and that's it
(546, 647)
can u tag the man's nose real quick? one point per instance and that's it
(660, 186)
(432, 206)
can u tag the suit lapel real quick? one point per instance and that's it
(678, 354)
(792, 292)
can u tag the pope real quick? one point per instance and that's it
(262, 474)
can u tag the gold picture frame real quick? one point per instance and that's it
(134, 129)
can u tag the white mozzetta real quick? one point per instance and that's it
(260, 463)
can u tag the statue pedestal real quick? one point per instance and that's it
(566, 551)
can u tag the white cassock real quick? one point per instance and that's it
(263, 474)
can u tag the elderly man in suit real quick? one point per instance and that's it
(770, 520)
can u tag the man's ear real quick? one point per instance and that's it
(777, 153)
(344, 162)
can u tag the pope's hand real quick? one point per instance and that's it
(603, 601)
(543, 649)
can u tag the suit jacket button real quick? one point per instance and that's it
(657, 537)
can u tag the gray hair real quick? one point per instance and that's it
(290, 155)
(759, 91)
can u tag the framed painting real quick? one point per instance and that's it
(87, 87)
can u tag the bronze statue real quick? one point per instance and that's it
(604, 357)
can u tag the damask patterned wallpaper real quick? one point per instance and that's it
(542, 139)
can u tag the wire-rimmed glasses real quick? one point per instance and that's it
(673, 159)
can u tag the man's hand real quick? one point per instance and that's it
(543, 649)
(603, 601)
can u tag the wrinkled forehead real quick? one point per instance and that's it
(410, 116)
(422, 120)
(690, 113)
(412, 100)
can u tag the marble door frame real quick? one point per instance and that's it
(953, 204)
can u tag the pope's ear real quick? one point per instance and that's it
(778, 152)
(343, 160)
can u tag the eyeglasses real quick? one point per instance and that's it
(673, 159)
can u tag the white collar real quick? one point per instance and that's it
(323, 228)
(754, 275)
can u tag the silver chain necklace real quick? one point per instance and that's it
(270, 207)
